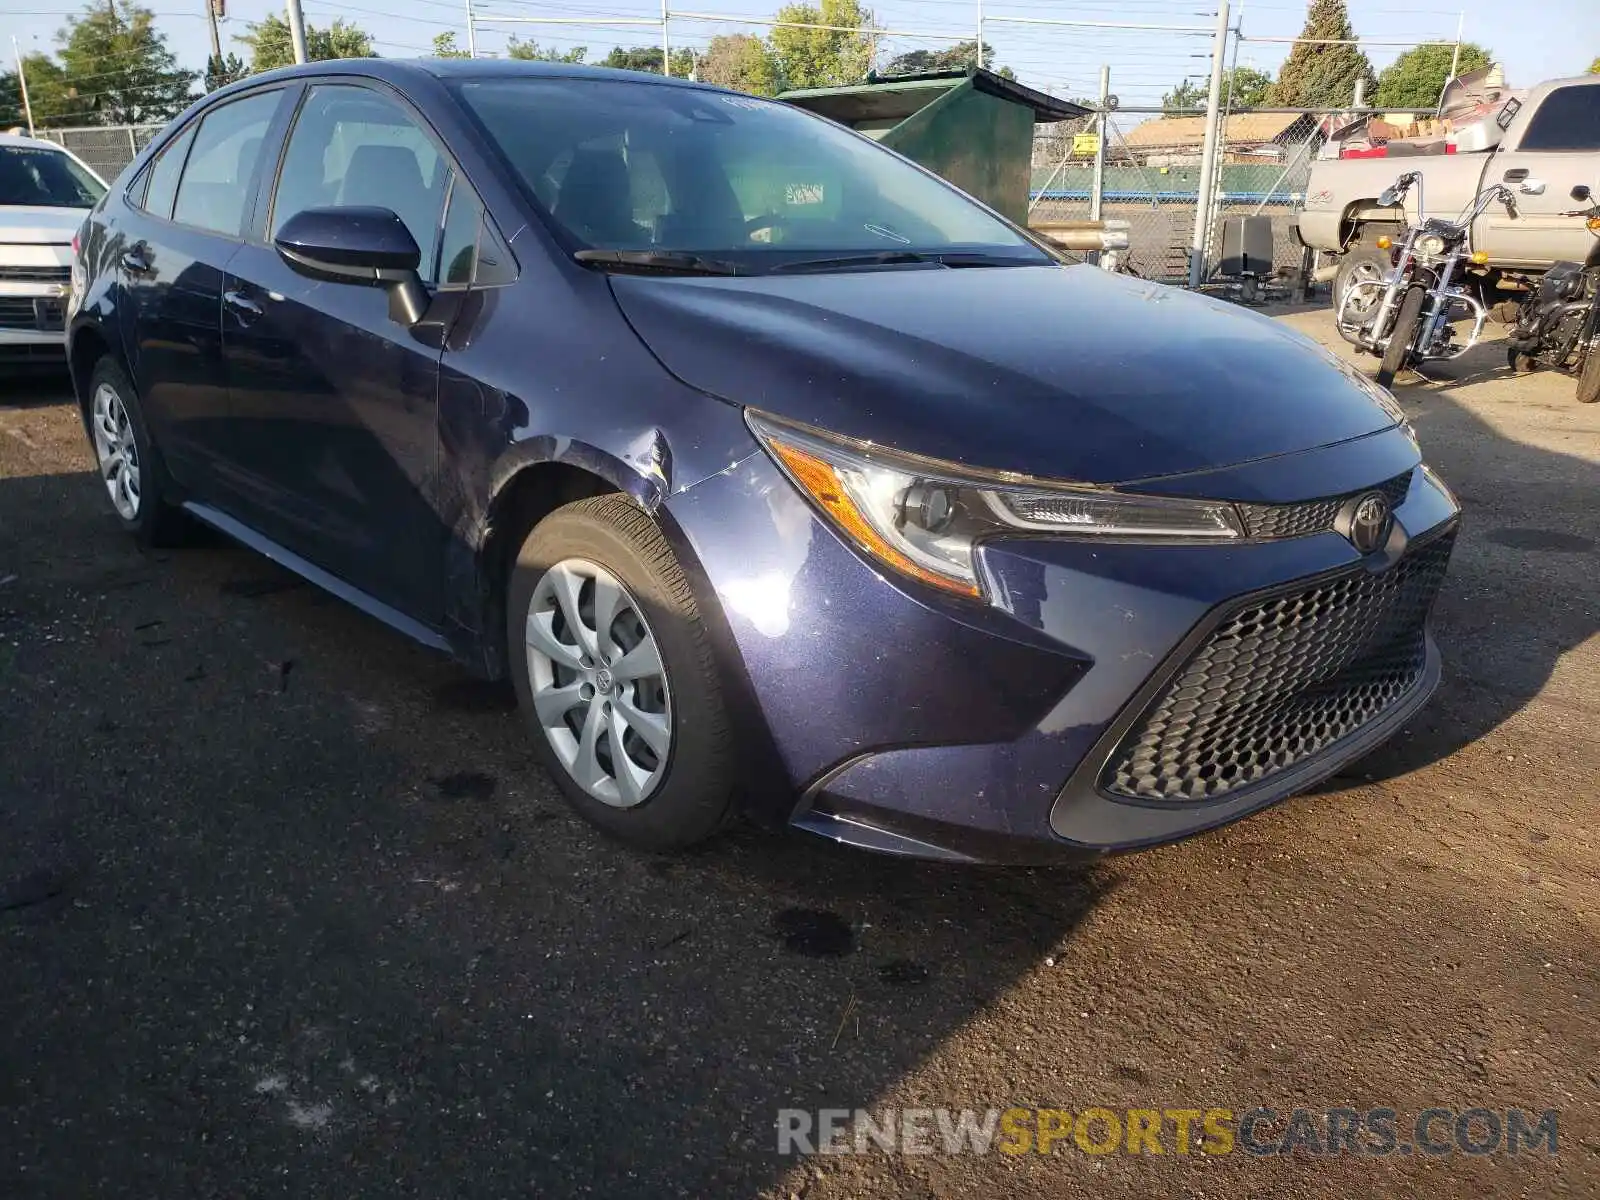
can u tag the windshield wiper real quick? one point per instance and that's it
(890, 258)
(668, 262)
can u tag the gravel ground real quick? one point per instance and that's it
(286, 908)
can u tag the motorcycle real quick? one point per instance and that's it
(1558, 325)
(1406, 317)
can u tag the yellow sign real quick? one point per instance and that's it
(1085, 143)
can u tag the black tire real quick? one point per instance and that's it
(695, 796)
(1405, 331)
(1589, 381)
(158, 520)
(1362, 254)
(1520, 363)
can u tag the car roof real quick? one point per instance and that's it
(22, 139)
(397, 70)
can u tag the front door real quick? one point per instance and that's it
(336, 405)
(1561, 149)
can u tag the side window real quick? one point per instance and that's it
(162, 178)
(1569, 119)
(354, 146)
(216, 181)
(458, 252)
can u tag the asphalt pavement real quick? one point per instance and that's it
(286, 907)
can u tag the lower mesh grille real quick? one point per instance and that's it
(1281, 680)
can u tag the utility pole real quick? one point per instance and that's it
(472, 33)
(297, 29)
(666, 43)
(1208, 152)
(1097, 189)
(216, 39)
(978, 56)
(22, 79)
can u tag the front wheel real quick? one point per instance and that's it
(1589, 381)
(616, 676)
(1404, 333)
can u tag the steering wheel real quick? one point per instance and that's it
(762, 221)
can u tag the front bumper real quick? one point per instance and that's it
(32, 322)
(912, 724)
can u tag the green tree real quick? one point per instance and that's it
(1246, 87)
(809, 58)
(648, 58)
(1322, 76)
(11, 114)
(220, 72)
(1594, 67)
(1416, 79)
(959, 57)
(444, 46)
(115, 69)
(271, 44)
(1186, 96)
(51, 95)
(741, 61)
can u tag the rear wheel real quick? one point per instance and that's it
(616, 677)
(1405, 332)
(130, 466)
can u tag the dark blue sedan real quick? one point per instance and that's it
(778, 475)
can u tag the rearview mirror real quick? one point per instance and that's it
(1581, 192)
(1532, 187)
(1388, 198)
(351, 244)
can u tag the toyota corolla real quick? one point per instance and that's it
(778, 475)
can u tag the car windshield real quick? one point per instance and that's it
(47, 178)
(651, 170)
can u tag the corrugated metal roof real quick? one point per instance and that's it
(1191, 131)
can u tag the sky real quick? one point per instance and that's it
(1542, 41)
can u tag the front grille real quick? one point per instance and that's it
(26, 312)
(1283, 679)
(1313, 516)
(36, 274)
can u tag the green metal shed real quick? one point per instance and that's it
(975, 128)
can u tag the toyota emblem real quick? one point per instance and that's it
(1366, 521)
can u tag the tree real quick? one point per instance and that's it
(1246, 87)
(272, 45)
(648, 58)
(741, 61)
(444, 46)
(1594, 67)
(533, 52)
(114, 69)
(1322, 76)
(1416, 79)
(220, 72)
(809, 58)
(1185, 96)
(11, 114)
(959, 57)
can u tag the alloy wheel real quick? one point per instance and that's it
(118, 452)
(599, 687)
(1363, 307)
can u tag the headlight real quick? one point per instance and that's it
(1431, 244)
(922, 517)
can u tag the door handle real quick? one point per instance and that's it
(136, 260)
(242, 306)
(1516, 174)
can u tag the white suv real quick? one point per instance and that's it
(45, 192)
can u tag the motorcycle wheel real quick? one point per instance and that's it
(1522, 364)
(1589, 381)
(1404, 333)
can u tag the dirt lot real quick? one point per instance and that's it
(287, 909)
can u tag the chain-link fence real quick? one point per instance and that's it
(106, 148)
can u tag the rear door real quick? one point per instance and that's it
(1559, 147)
(183, 223)
(336, 404)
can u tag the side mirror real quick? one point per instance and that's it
(1532, 187)
(350, 244)
(1581, 192)
(1388, 198)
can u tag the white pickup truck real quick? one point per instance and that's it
(1551, 138)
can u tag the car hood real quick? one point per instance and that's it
(32, 225)
(1071, 373)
